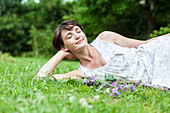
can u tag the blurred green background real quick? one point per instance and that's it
(27, 26)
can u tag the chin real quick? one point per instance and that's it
(81, 46)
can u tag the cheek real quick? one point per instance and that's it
(83, 35)
(85, 38)
(68, 42)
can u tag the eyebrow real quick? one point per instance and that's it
(67, 34)
(76, 28)
(71, 30)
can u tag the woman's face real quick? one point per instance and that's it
(74, 39)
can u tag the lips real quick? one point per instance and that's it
(80, 41)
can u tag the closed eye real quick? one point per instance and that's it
(78, 30)
(69, 36)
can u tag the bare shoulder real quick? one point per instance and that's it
(108, 36)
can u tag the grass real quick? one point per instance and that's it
(19, 92)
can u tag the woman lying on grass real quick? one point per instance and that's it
(111, 53)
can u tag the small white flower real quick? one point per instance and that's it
(108, 90)
(104, 100)
(71, 90)
(96, 97)
(22, 74)
(84, 104)
(71, 99)
(42, 97)
(2, 98)
(69, 94)
(90, 106)
(35, 89)
(46, 87)
(26, 68)
(82, 100)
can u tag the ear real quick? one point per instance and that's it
(64, 48)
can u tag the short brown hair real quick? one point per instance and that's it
(57, 39)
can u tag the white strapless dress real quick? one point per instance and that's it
(150, 63)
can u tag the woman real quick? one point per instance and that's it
(111, 53)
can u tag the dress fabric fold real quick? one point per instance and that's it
(149, 63)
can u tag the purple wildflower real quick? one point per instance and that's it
(85, 80)
(93, 78)
(103, 86)
(155, 87)
(120, 87)
(137, 84)
(148, 87)
(132, 88)
(114, 84)
(118, 93)
(125, 84)
(166, 89)
(144, 85)
(112, 94)
(114, 91)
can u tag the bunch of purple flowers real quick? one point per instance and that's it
(112, 87)
(92, 81)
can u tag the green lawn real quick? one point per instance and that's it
(19, 92)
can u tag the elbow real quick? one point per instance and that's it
(41, 74)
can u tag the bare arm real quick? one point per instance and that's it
(49, 67)
(157, 37)
(120, 40)
(76, 74)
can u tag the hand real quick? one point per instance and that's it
(70, 56)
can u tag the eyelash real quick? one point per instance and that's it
(78, 31)
(69, 37)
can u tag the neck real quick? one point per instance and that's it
(85, 55)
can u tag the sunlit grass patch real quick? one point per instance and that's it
(19, 92)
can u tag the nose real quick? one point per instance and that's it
(77, 36)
